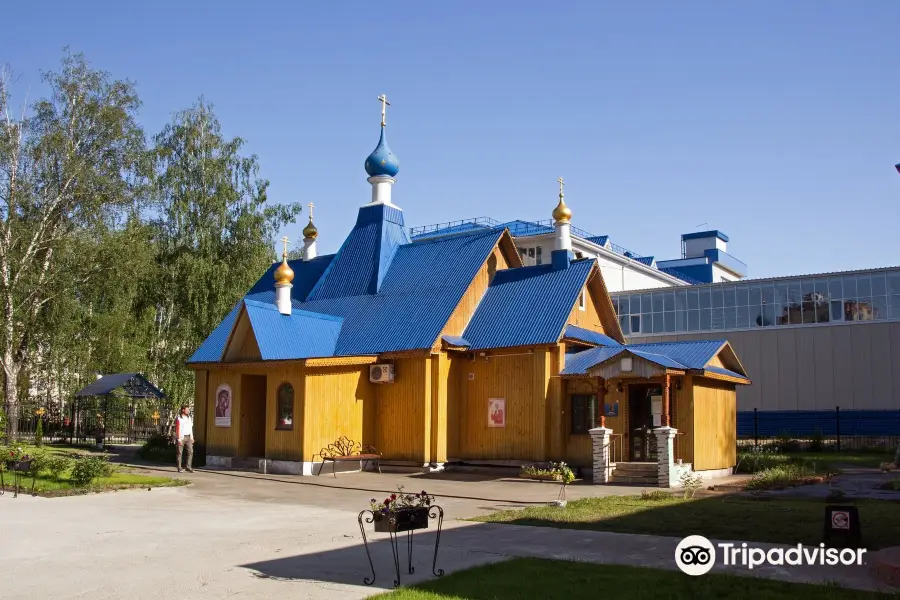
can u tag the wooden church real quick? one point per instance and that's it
(447, 349)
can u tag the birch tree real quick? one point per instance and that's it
(69, 164)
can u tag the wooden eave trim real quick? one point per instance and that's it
(570, 340)
(339, 361)
(711, 375)
(405, 354)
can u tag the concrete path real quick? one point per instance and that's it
(853, 482)
(248, 536)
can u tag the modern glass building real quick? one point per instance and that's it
(808, 342)
(850, 297)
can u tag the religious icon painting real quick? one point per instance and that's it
(223, 405)
(496, 412)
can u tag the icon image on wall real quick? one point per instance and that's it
(496, 412)
(223, 405)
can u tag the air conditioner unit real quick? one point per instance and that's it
(381, 373)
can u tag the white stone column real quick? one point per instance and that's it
(665, 453)
(600, 438)
(309, 248)
(381, 189)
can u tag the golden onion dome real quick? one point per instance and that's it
(310, 231)
(284, 273)
(562, 213)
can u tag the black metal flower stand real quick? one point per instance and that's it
(19, 468)
(407, 520)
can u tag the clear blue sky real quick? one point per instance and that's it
(775, 122)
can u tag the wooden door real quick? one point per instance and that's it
(253, 416)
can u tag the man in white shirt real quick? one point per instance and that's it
(184, 436)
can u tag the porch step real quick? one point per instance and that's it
(643, 480)
(635, 473)
(636, 468)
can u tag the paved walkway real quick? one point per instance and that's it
(228, 536)
(853, 482)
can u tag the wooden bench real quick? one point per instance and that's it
(346, 450)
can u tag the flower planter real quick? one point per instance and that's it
(20, 466)
(405, 519)
(541, 477)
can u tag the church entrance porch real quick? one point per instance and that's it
(253, 417)
(644, 411)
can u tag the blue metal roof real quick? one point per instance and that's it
(673, 355)
(455, 340)
(527, 306)
(591, 337)
(424, 283)
(460, 228)
(578, 364)
(600, 240)
(647, 260)
(519, 228)
(301, 334)
(362, 262)
(306, 274)
(721, 371)
(693, 354)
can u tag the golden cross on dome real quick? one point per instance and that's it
(285, 240)
(311, 207)
(384, 104)
(561, 184)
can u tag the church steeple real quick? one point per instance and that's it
(381, 165)
(310, 234)
(365, 256)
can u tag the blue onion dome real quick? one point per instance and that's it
(382, 161)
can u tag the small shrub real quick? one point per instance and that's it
(655, 495)
(39, 433)
(57, 465)
(39, 462)
(691, 482)
(893, 485)
(758, 459)
(781, 476)
(90, 468)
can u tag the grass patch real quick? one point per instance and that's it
(783, 476)
(49, 487)
(785, 521)
(542, 579)
(62, 472)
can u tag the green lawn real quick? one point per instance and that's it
(541, 579)
(46, 485)
(787, 521)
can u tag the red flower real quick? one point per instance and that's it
(393, 496)
(387, 501)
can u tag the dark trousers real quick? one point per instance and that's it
(187, 442)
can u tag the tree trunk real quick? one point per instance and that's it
(11, 391)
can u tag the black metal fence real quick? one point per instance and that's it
(820, 430)
(110, 420)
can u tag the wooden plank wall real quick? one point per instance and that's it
(579, 448)
(440, 372)
(589, 318)
(461, 315)
(683, 419)
(285, 444)
(519, 379)
(403, 424)
(223, 441)
(334, 404)
(201, 377)
(714, 424)
(456, 388)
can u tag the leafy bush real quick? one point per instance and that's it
(89, 468)
(57, 465)
(691, 482)
(782, 476)
(160, 449)
(757, 459)
(39, 462)
(893, 485)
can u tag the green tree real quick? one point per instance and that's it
(70, 164)
(213, 235)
